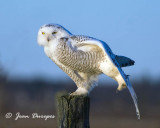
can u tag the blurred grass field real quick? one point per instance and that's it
(108, 109)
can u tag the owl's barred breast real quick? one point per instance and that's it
(79, 60)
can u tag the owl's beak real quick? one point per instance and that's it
(48, 39)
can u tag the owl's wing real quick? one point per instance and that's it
(84, 43)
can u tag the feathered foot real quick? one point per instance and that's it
(80, 91)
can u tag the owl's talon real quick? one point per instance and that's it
(80, 91)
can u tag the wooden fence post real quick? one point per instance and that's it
(73, 111)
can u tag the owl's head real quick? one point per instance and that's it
(51, 32)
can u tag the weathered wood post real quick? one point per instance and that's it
(73, 111)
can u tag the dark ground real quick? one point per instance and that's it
(108, 109)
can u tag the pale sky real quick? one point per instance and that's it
(130, 27)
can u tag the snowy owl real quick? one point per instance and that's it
(84, 58)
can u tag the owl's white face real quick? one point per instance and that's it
(51, 32)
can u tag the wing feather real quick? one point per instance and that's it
(124, 61)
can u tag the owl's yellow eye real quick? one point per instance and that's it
(54, 32)
(43, 33)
